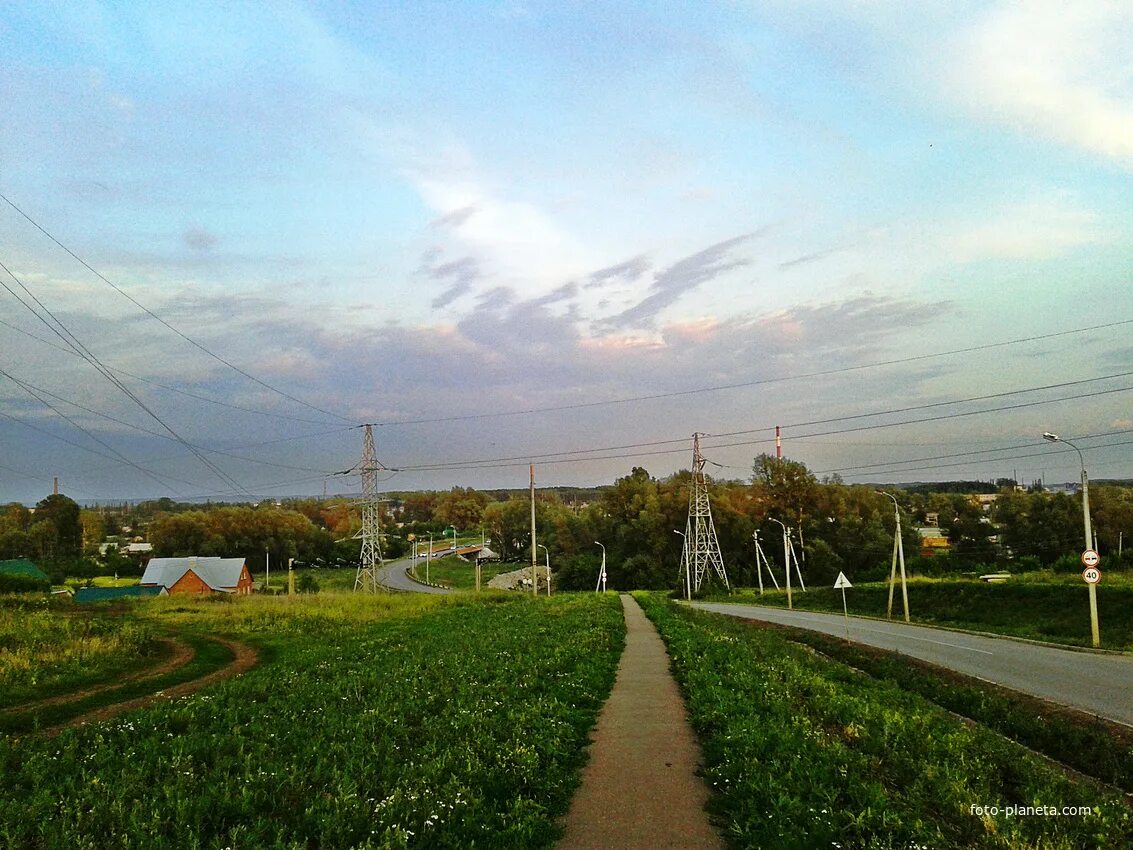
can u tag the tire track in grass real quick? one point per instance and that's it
(180, 654)
(244, 658)
(215, 659)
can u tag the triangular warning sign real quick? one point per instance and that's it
(842, 581)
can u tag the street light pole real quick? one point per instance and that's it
(684, 558)
(602, 574)
(786, 559)
(1054, 438)
(547, 556)
(898, 557)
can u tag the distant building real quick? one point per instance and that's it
(933, 540)
(198, 575)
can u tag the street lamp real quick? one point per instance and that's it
(898, 555)
(547, 555)
(1054, 438)
(684, 557)
(786, 558)
(602, 574)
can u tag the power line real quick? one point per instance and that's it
(158, 318)
(38, 397)
(64, 333)
(556, 457)
(172, 389)
(760, 382)
(964, 454)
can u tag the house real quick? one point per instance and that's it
(198, 575)
(933, 540)
(133, 591)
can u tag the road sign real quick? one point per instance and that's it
(1092, 575)
(842, 583)
(1090, 558)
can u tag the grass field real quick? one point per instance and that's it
(803, 752)
(373, 721)
(49, 647)
(1054, 609)
(459, 575)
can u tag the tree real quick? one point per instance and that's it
(62, 514)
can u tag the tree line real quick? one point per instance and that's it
(837, 527)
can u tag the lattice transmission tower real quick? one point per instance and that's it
(370, 560)
(702, 550)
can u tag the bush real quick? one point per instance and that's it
(16, 583)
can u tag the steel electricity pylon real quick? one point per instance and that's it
(370, 559)
(702, 550)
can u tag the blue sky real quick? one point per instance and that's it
(424, 211)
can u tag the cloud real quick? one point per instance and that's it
(1039, 228)
(199, 239)
(683, 276)
(1057, 69)
(460, 274)
(455, 218)
(629, 271)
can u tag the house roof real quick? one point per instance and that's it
(22, 567)
(218, 573)
(100, 594)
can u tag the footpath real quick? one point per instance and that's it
(640, 788)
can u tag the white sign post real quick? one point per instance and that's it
(1092, 575)
(841, 584)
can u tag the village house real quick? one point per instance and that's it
(198, 575)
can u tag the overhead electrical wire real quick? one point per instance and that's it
(556, 457)
(172, 389)
(40, 398)
(972, 453)
(759, 382)
(64, 333)
(156, 317)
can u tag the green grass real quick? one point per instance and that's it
(209, 656)
(460, 575)
(1054, 611)
(389, 721)
(803, 752)
(48, 648)
(1098, 749)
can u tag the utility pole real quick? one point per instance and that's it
(898, 557)
(267, 568)
(370, 558)
(702, 550)
(786, 559)
(534, 551)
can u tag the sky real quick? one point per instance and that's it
(565, 234)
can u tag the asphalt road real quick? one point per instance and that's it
(1100, 683)
(393, 576)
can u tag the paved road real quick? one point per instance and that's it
(393, 576)
(1101, 684)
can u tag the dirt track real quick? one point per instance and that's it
(245, 658)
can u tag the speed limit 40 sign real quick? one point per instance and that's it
(1092, 575)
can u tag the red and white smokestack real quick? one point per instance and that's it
(778, 443)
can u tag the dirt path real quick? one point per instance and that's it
(640, 788)
(245, 658)
(180, 655)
